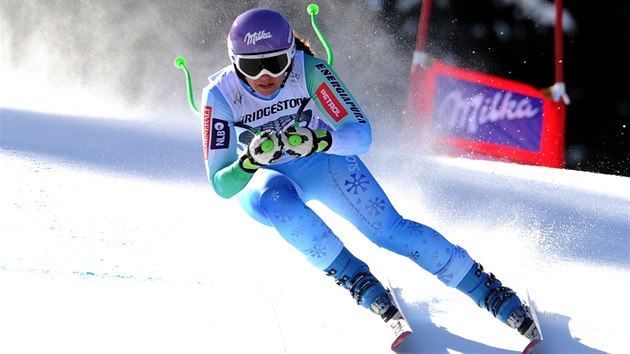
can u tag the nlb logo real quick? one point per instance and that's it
(220, 134)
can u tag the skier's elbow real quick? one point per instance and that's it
(365, 141)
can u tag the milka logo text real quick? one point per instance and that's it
(469, 114)
(252, 38)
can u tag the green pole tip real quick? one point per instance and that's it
(312, 9)
(180, 62)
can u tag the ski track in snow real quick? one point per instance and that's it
(111, 241)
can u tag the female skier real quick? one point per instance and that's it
(280, 129)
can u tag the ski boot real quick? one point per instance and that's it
(521, 319)
(502, 302)
(354, 275)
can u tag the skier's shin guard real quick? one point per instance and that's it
(487, 292)
(354, 275)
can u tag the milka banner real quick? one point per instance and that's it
(478, 114)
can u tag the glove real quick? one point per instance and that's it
(263, 149)
(303, 141)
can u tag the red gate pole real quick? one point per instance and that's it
(414, 113)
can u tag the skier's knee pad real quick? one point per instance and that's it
(488, 292)
(354, 275)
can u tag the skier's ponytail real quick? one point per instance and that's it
(303, 44)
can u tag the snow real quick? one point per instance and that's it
(111, 241)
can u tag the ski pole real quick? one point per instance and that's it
(313, 10)
(180, 63)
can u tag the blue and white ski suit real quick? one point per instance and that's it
(275, 195)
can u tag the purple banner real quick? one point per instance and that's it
(478, 112)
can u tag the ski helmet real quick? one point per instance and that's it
(261, 41)
(258, 31)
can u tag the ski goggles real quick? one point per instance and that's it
(253, 66)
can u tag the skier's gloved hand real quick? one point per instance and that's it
(264, 149)
(303, 141)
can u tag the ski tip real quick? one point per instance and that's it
(531, 347)
(401, 338)
(534, 313)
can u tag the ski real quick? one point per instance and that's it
(534, 343)
(398, 323)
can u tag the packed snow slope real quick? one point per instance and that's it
(111, 241)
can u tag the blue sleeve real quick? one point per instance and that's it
(220, 146)
(351, 130)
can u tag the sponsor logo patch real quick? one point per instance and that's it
(331, 104)
(220, 134)
(207, 114)
(252, 38)
(273, 109)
